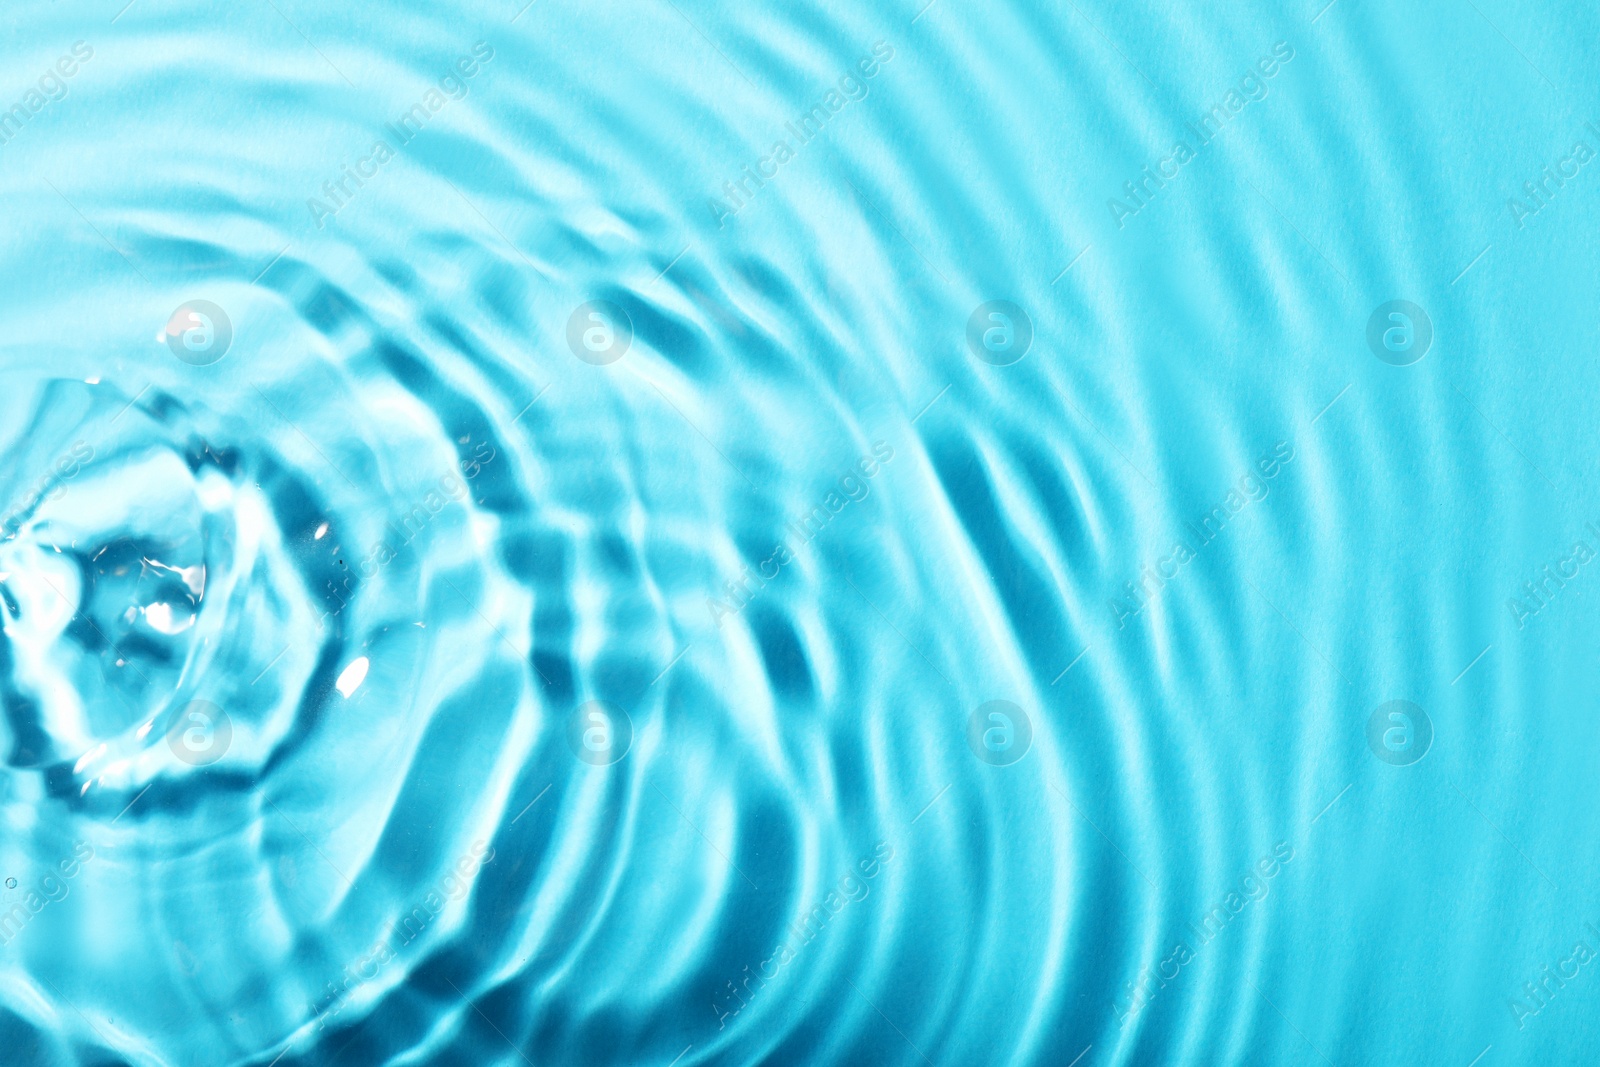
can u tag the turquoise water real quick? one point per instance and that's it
(679, 534)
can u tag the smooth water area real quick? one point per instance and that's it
(680, 534)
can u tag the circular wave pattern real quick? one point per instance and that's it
(654, 535)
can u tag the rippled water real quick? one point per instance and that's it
(852, 534)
